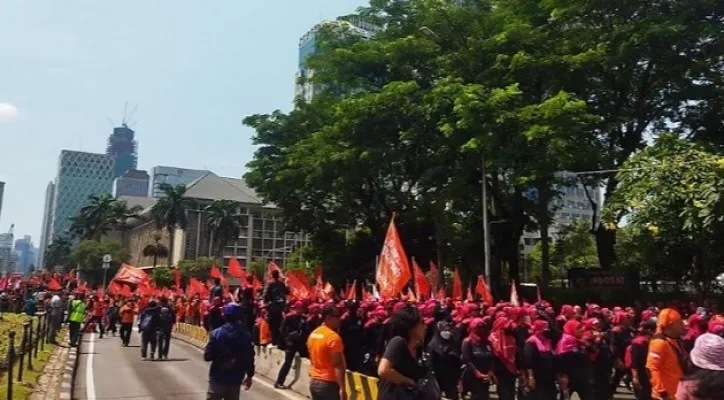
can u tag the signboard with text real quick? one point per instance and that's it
(590, 277)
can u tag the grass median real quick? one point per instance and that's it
(21, 389)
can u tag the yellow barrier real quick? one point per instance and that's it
(359, 386)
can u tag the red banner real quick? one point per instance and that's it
(130, 274)
(393, 271)
(422, 286)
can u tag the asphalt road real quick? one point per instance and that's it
(106, 370)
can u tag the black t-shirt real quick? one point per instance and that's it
(542, 363)
(398, 353)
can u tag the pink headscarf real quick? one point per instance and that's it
(569, 341)
(538, 337)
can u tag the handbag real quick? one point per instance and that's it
(426, 388)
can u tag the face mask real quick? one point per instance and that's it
(446, 335)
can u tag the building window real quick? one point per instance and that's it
(268, 244)
(257, 234)
(256, 244)
(268, 234)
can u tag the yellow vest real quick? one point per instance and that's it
(77, 311)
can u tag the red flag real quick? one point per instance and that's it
(422, 286)
(215, 273)
(114, 288)
(393, 270)
(53, 285)
(514, 295)
(302, 276)
(296, 287)
(177, 277)
(3, 282)
(457, 286)
(235, 269)
(434, 276)
(469, 296)
(131, 274)
(482, 290)
(318, 274)
(328, 291)
(366, 295)
(126, 291)
(352, 291)
(257, 284)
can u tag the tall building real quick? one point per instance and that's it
(8, 257)
(133, 182)
(27, 255)
(305, 89)
(2, 192)
(122, 146)
(80, 175)
(571, 207)
(173, 176)
(47, 229)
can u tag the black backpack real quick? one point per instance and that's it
(166, 317)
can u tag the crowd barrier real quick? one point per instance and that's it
(269, 360)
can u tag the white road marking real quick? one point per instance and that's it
(90, 387)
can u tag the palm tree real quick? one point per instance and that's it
(58, 252)
(170, 211)
(224, 222)
(123, 217)
(156, 249)
(94, 219)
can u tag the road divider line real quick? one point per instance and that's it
(90, 387)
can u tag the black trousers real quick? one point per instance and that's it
(323, 390)
(479, 390)
(148, 338)
(223, 392)
(74, 328)
(544, 392)
(164, 342)
(506, 385)
(126, 330)
(275, 326)
(286, 366)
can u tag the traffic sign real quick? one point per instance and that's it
(106, 258)
(106, 265)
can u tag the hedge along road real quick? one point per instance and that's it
(106, 370)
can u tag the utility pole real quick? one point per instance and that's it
(486, 225)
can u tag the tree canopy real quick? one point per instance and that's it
(531, 89)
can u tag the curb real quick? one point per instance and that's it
(67, 384)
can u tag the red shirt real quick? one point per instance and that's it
(99, 309)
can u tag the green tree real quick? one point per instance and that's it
(670, 195)
(94, 219)
(170, 212)
(257, 268)
(198, 268)
(58, 252)
(224, 222)
(156, 250)
(88, 256)
(162, 277)
(124, 217)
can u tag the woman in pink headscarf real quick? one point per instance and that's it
(505, 362)
(696, 326)
(572, 361)
(477, 356)
(539, 361)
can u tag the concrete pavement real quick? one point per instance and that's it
(108, 371)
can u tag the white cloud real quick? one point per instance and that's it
(8, 112)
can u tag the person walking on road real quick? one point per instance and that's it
(76, 316)
(55, 312)
(293, 332)
(667, 361)
(150, 321)
(274, 296)
(167, 318)
(326, 354)
(231, 353)
(128, 314)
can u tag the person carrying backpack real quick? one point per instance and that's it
(149, 323)
(167, 317)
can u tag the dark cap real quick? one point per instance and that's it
(330, 310)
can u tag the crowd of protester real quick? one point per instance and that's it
(520, 351)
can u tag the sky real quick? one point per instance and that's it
(193, 68)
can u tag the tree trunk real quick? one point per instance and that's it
(155, 259)
(171, 239)
(605, 245)
(211, 242)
